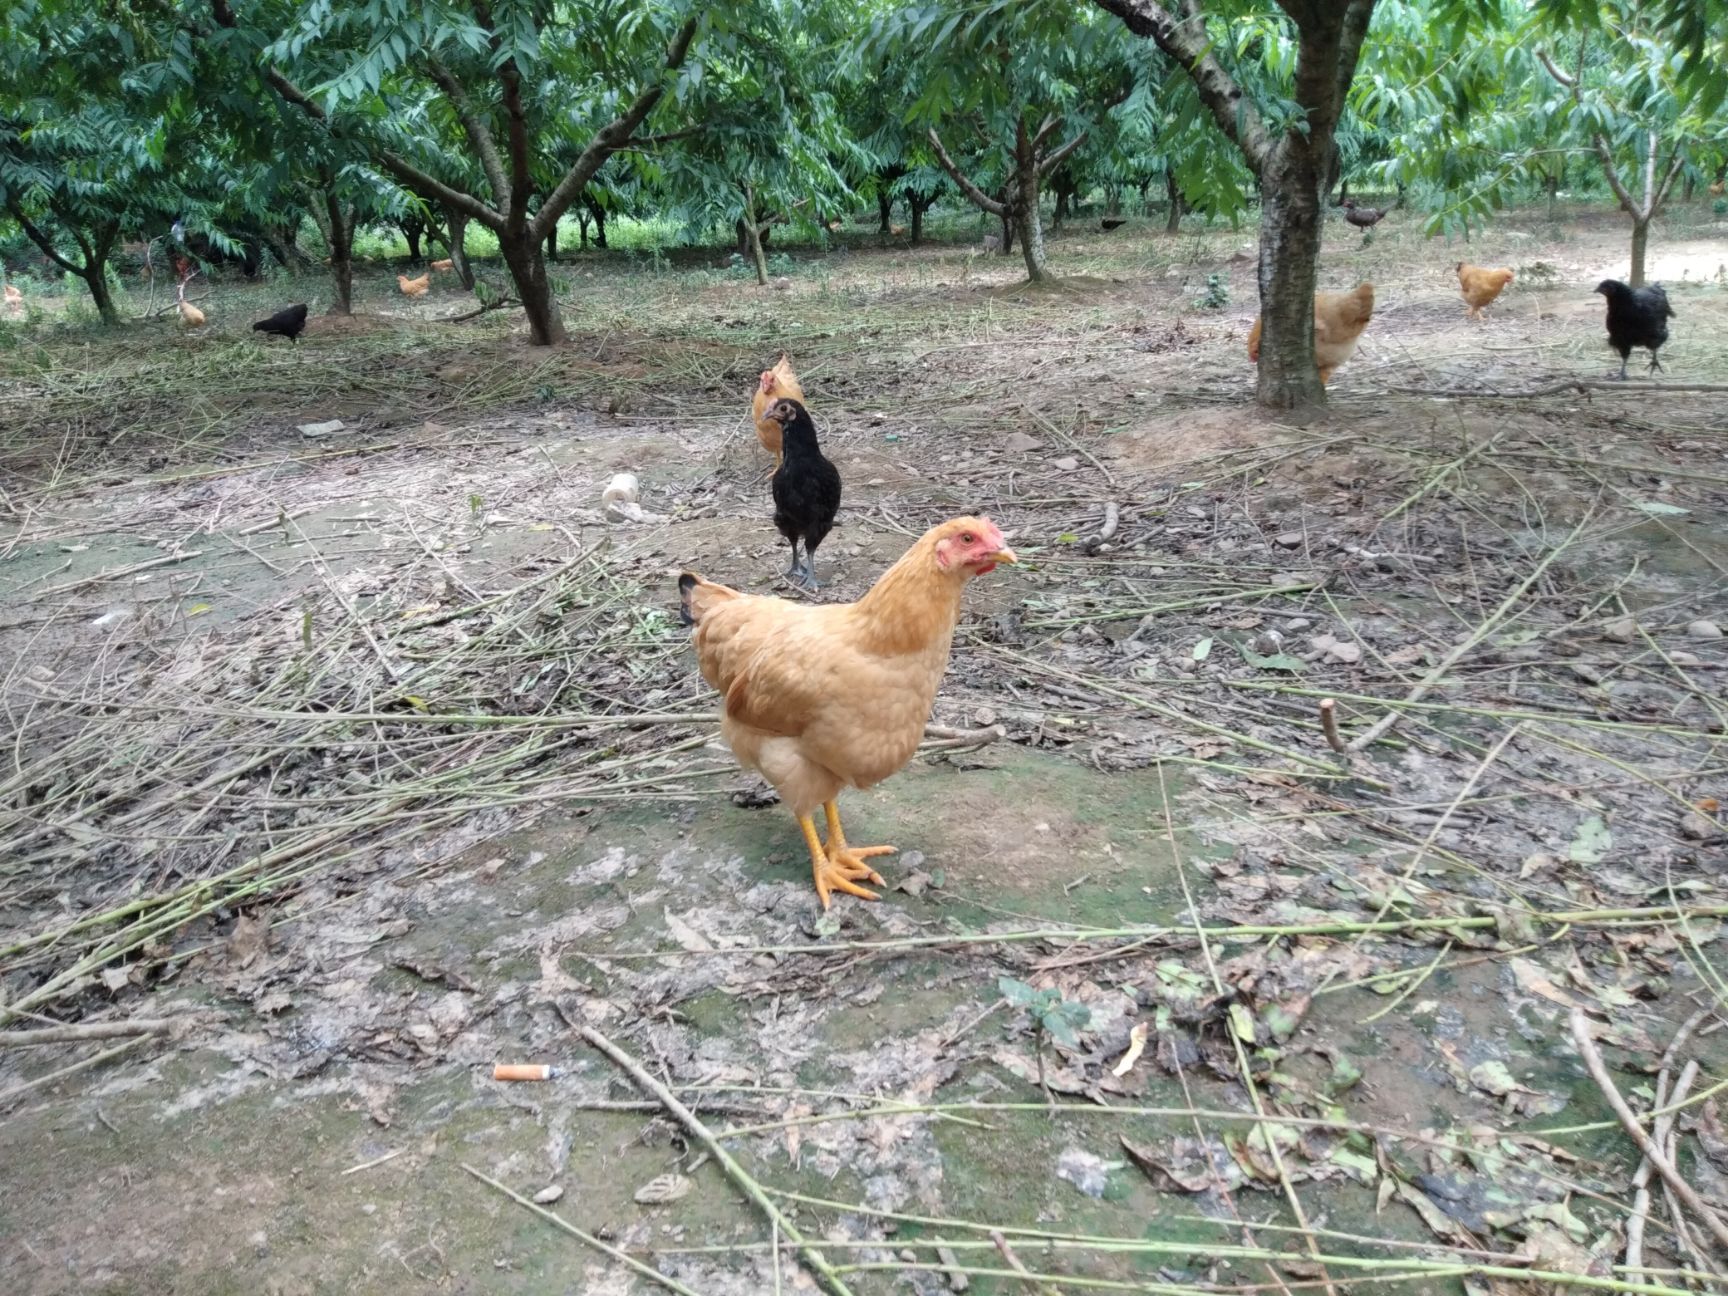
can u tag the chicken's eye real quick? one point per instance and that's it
(967, 538)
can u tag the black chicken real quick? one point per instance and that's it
(289, 322)
(1363, 218)
(806, 488)
(1637, 317)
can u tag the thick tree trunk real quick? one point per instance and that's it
(1290, 215)
(523, 257)
(1064, 201)
(552, 244)
(412, 228)
(1640, 245)
(884, 211)
(1007, 248)
(459, 248)
(1173, 195)
(583, 220)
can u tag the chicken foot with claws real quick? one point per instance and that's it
(837, 866)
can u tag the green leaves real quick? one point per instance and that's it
(1050, 1013)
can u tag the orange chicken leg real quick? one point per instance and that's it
(839, 867)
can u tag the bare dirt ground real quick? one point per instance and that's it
(363, 758)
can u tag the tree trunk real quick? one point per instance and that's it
(523, 257)
(412, 228)
(339, 234)
(1553, 185)
(884, 211)
(1007, 248)
(96, 278)
(1640, 243)
(753, 232)
(1026, 205)
(552, 244)
(583, 220)
(1173, 194)
(459, 247)
(920, 205)
(599, 214)
(1290, 215)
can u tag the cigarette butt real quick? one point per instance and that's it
(520, 1071)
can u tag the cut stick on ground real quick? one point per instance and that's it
(1013, 1262)
(1329, 725)
(1629, 1122)
(558, 1221)
(86, 1031)
(1106, 532)
(53, 1077)
(735, 1172)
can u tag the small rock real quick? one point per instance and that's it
(1268, 643)
(549, 1194)
(957, 1281)
(1289, 539)
(1680, 657)
(1695, 826)
(1586, 671)
(1297, 623)
(1068, 463)
(1348, 653)
(1321, 642)
(1704, 630)
(322, 429)
(1021, 443)
(1621, 630)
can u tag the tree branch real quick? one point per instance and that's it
(1604, 151)
(612, 136)
(1050, 125)
(1186, 41)
(510, 77)
(412, 177)
(478, 134)
(972, 191)
(1676, 164)
(1056, 159)
(40, 239)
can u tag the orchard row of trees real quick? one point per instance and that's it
(243, 118)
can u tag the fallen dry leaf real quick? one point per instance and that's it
(1136, 1046)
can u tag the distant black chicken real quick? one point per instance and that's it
(1637, 317)
(289, 322)
(806, 488)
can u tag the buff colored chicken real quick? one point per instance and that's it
(190, 315)
(778, 383)
(14, 300)
(830, 696)
(445, 264)
(1339, 319)
(414, 287)
(1480, 287)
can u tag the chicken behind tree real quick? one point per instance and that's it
(1637, 317)
(1339, 319)
(824, 697)
(288, 322)
(806, 488)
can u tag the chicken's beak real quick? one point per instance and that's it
(1004, 555)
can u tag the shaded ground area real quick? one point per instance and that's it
(367, 757)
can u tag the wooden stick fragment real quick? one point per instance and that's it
(735, 1172)
(1013, 1262)
(1664, 1167)
(1329, 725)
(86, 1031)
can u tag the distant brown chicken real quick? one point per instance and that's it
(1480, 286)
(446, 264)
(414, 287)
